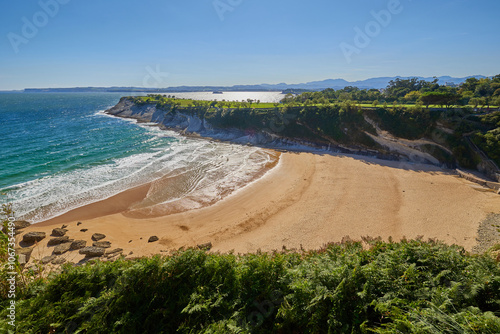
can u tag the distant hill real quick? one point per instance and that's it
(376, 83)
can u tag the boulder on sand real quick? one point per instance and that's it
(115, 251)
(92, 251)
(59, 240)
(48, 259)
(98, 236)
(25, 251)
(78, 244)
(59, 232)
(32, 237)
(18, 226)
(62, 248)
(102, 244)
(59, 260)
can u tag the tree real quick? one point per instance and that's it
(470, 84)
(412, 96)
(400, 87)
(484, 89)
(496, 101)
(474, 101)
(287, 99)
(440, 98)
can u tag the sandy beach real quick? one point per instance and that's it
(306, 200)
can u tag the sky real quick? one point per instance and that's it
(165, 43)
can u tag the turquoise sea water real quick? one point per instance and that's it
(60, 151)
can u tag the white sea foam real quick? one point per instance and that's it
(211, 170)
(187, 172)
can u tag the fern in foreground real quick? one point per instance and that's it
(406, 287)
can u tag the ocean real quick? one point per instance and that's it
(60, 151)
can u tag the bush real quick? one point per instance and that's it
(411, 287)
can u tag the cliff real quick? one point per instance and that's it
(321, 129)
(187, 121)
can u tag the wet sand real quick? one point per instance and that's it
(307, 200)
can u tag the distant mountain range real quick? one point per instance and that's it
(376, 83)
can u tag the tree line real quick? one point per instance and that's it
(473, 92)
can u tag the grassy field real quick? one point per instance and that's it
(265, 105)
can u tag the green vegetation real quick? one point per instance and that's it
(407, 108)
(168, 101)
(489, 138)
(404, 122)
(475, 93)
(406, 287)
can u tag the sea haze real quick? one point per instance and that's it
(60, 151)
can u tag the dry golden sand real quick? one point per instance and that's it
(308, 200)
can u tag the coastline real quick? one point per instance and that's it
(298, 200)
(127, 202)
(306, 200)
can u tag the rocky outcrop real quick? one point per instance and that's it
(102, 244)
(62, 248)
(47, 259)
(92, 251)
(112, 254)
(59, 232)
(187, 124)
(18, 226)
(58, 261)
(407, 149)
(25, 252)
(78, 244)
(98, 236)
(59, 240)
(32, 237)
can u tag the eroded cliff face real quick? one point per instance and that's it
(189, 124)
(193, 125)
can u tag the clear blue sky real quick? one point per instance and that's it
(121, 42)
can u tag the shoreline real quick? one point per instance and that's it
(125, 201)
(305, 201)
(300, 200)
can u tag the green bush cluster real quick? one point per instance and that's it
(489, 142)
(405, 287)
(405, 123)
(488, 139)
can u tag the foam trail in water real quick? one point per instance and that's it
(194, 169)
